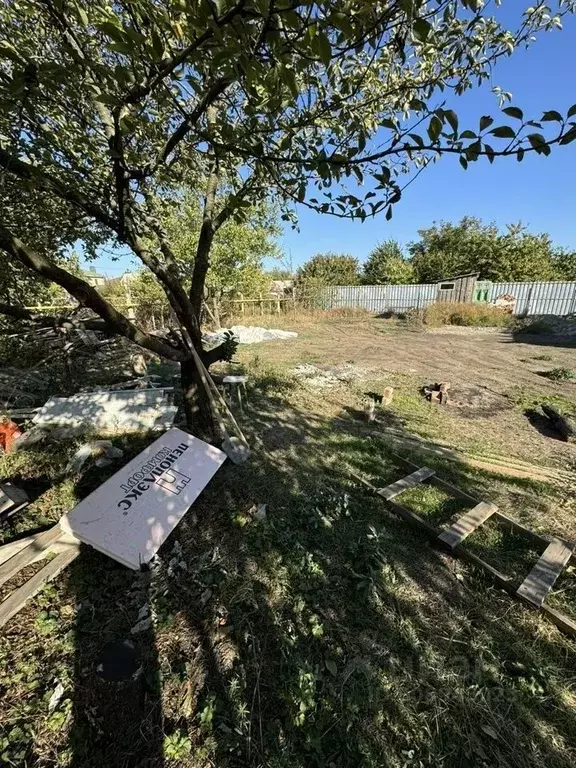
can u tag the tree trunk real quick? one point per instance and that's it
(199, 418)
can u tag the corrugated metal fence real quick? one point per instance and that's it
(379, 298)
(538, 298)
(550, 298)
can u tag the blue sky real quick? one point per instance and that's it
(540, 191)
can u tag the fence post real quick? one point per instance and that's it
(241, 295)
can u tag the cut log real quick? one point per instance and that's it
(387, 395)
(561, 423)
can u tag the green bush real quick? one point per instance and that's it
(483, 315)
(560, 374)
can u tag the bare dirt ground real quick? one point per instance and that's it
(494, 360)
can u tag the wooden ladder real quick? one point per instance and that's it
(537, 584)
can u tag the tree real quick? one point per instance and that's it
(106, 108)
(329, 269)
(445, 250)
(564, 264)
(238, 250)
(386, 264)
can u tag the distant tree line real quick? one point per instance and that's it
(445, 250)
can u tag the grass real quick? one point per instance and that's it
(326, 634)
(560, 374)
(468, 315)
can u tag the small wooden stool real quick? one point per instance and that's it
(234, 386)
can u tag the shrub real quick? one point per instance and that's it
(560, 374)
(485, 315)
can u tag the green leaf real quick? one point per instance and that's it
(384, 177)
(452, 118)
(463, 162)
(489, 153)
(503, 132)
(106, 98)
(514, 112)
(572, 111)
(485, 122)
(422, 29)
(416, 105)
(331, 667)
(569, 137)
(323, 48)
(468, 135)
(552, 115)
(8, 49)
(539, 144)
(83, 16)
(112, 31)
(434, 128)
(389, 213)
(520, 155)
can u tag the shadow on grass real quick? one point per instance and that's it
(326, 634)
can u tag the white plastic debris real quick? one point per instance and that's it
(56, 697)
(260, 513)
(249, 334)
(101, 450)
(141, 626)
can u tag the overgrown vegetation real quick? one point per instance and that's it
(467, 314)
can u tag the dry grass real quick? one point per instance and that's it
(468, 315)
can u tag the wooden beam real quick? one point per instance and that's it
(28, 555)
(410, 481)
(467, 524)
(542, 577)
(18, 598)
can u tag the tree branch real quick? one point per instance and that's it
(189, 122)
(55, 321)
(85, 294)
(165, 69)
(49, 183)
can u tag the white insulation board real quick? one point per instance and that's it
(132, 514)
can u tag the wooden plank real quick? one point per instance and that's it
(410, 481)
(467, 524)
(29, 554)
(541, 578)
(459, 494)
(18, 598)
